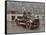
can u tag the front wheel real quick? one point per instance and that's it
(27, 25)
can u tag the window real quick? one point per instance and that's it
(13, 17)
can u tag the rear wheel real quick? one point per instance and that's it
(36, 25)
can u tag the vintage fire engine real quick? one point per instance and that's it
(29, 23)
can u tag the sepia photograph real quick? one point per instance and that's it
(25, 17)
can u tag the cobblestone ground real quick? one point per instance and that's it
(13, 28)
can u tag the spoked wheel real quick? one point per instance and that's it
(27, 25)
(38, 24)
(30, 26)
